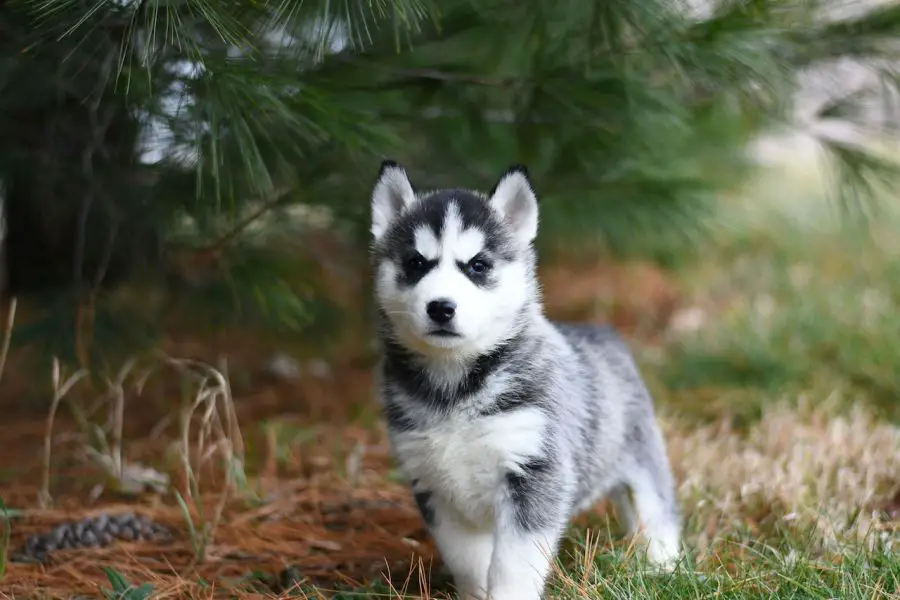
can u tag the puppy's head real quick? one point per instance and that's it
(453, 268)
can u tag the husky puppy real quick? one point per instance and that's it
(505, 424)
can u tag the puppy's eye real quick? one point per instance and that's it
(414, 261)
(478, 266)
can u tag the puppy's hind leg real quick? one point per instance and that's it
(620, 497)
(653, 488)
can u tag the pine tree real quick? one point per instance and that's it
(633, 117)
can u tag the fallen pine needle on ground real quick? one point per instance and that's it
(801, 500)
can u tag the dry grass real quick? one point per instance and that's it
(810, 469)
(803, 504)
(7, 335)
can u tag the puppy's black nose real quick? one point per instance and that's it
(441, 311)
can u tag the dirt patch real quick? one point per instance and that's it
(637, 297)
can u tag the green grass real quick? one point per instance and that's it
(751, 571)
(788, 300)
(758, 573)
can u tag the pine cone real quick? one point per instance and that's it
(101, 530)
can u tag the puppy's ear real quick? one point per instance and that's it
(514, 199)
(393, 193)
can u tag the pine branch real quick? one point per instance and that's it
(642, 109)
(273, 200)
(99, 126)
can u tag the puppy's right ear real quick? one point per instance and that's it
(393, 193)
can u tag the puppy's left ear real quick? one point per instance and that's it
(393, 193)
(514, 199)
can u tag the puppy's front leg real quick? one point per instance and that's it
(464, 549)
(530, 520)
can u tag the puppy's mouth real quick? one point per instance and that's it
(445, 333)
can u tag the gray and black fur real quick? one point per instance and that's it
(506, 424)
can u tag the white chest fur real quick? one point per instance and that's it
(464, 462)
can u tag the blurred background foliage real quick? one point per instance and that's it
(217, 157)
